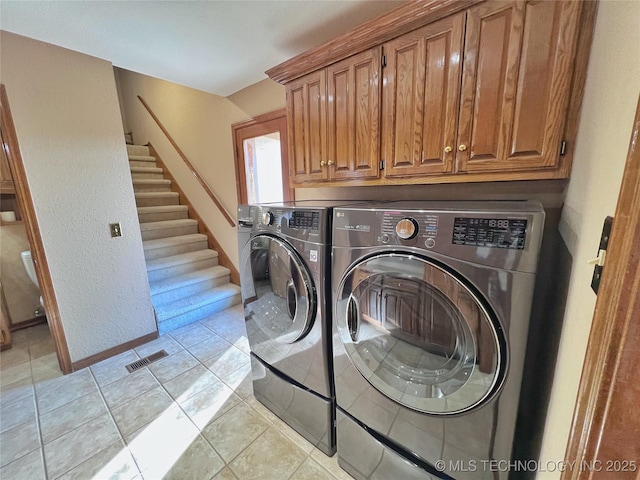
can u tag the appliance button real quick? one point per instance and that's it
(430, 243)
(267, 218)
(407, 228)
(385, 238)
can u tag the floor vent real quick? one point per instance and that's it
(143, 362)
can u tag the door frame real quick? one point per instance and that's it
(602, 428)
(261, 125)
(27, 210)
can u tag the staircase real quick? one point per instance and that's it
(186, 282)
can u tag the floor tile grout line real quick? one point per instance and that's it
(38, 425)
(126, 445)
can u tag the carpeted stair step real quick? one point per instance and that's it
(168, 228)
(142, 161)
(152, 199)
(138, 173)
(151, 185)
(166, 267)
(174, 288)
(137, 150)
(169, 246)
(194, 307)
(162, 212)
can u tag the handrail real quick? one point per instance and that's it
(189, 165)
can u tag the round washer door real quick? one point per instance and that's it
(277, 290)
(419, 334)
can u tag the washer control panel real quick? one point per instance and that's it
(419, 229)
(490, 232)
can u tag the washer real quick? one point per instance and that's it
(284, 267)
(431, 317)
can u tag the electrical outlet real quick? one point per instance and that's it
(116, 230)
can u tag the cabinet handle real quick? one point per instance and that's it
(462, 147)
(323, 163)
(330, 162)
(447, 149)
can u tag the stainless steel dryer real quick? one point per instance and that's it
(284, 263)
(430, 328)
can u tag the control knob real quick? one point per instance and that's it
(267, 218)
(407, 228)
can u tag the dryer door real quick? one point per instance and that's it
(277, 290)
(420, 334)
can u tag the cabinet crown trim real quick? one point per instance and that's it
(409, 16)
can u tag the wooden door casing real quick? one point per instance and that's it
(421, 97)
(353, 120)
(515, 84)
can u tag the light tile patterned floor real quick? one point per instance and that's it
(191, 415)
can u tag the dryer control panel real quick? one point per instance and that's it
(490, 232)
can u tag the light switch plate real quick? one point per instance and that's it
(116, 230)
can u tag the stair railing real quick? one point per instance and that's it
(193, 170)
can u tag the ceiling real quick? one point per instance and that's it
(216, 46)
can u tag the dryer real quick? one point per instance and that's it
(284, 267)
(431, 318)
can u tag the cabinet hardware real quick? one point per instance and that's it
(323, 163)
(462, 147)
(447, 149)
(384, 60)
(381, 167)
(330, 162)
(563, 148)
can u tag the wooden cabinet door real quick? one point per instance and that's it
(515, 84)
(354, 116)
(421, 95)
(307, 117)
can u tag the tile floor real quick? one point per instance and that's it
(191, 415)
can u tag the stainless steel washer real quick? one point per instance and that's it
(432, 306)
(284, 267)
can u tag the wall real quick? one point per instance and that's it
(612, 88)
(65, 109)
(200, 123)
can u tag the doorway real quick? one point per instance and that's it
(261, 159)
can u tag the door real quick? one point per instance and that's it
(307, 117)
(262, 159)
(278, 293)
(426, 340)
(354, 116)
(421, 97)
(515, 84)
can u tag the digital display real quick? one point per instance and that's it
(490, 232)
(304, 220)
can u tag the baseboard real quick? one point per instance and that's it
(98, 357)
(28, 323)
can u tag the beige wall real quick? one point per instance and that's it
(65, 109)
(200, 124)
(613, 85)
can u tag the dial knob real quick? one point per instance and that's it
(267, 218)
(407, 228)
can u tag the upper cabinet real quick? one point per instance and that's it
(441, 92)
(516, 82)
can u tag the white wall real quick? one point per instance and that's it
(65, 109)
(611, 95)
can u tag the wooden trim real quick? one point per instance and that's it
(401, 20)
(98, 357)
(28, 323)
(605, 423)
(223, 258)
(195, 173)
(261, 125)
(25, 203)
(583, 49)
